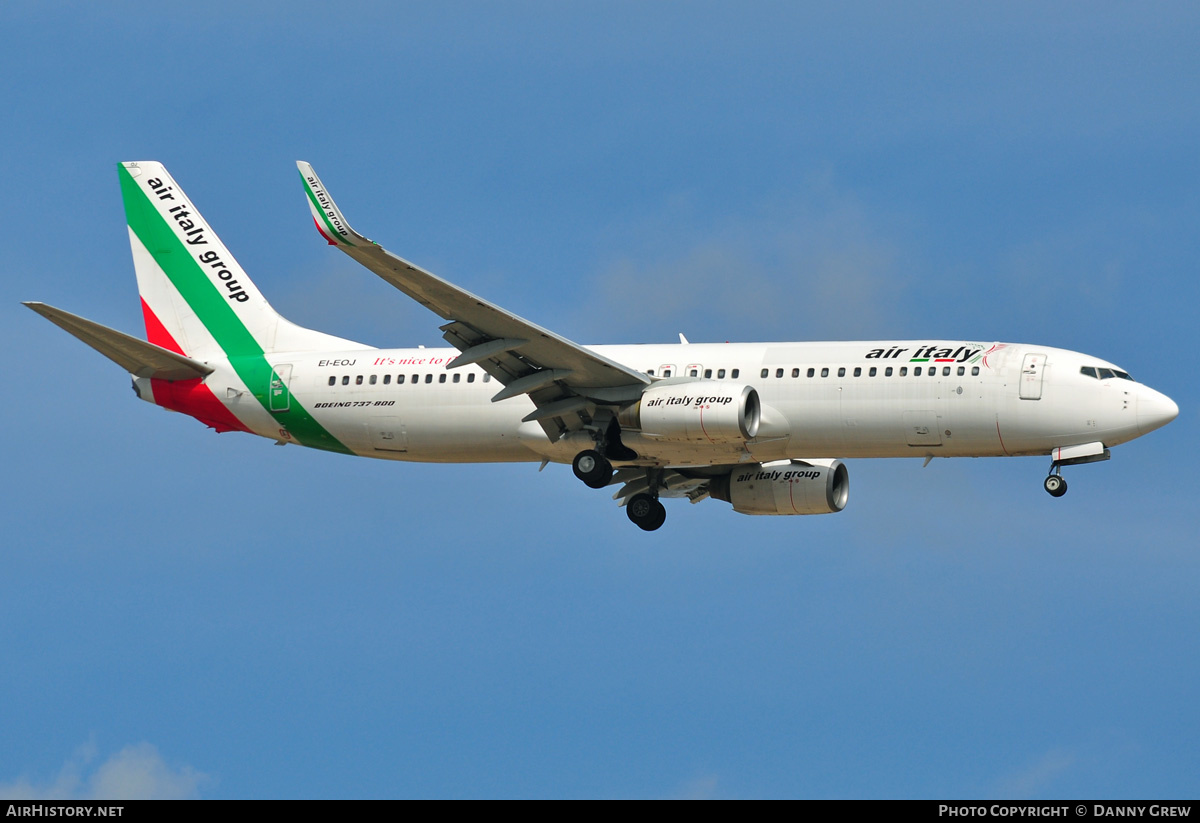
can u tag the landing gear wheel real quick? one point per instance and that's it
(1055, 485)
(592, 468)
(646, 513)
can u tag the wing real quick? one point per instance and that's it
(566, 381)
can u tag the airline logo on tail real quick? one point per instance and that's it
(191, 229)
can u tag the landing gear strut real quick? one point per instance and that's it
(592, 468)
(646, 512)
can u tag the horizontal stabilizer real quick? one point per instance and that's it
(136, 356)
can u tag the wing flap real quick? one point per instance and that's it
(135, 356)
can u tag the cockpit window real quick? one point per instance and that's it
(1103, 374)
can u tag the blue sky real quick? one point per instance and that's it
(198, 615)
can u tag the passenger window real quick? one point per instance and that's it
(373, 379)
(917, 371)
(720, 374)
(650, 372)
(795, 372)
(487, 378)
(429, 378)
(872, 372)
(962, 370)
(693, 373)
(457, 377)
(399, 379)
(945, 371)
(842, 372)
(812, 372)
(666, 372)
(974, 371)
(887, 372)
(471, 377)
(442, 377)
(825, 372)
(763, 373)
(345, 380)
(734, 374)
(904, 371)
(1088, 371)
(858, 371)
(779, 372)
(387, 379)
(933, 371)
(416, 378)
(358, 380)
(333, 381)
(707, 373)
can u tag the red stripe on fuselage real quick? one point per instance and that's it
(191, 397)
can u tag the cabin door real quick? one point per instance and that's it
(1032, 368)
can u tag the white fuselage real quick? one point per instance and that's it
(863, 399)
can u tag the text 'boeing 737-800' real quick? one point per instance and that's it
(763, 426)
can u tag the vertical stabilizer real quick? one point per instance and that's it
(196, 299)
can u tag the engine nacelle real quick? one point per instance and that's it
(785, 487)
(700, 412)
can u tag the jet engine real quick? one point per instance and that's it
(785, 487)
(700, 412)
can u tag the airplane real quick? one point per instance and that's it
(762, 426)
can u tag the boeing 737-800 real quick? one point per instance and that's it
(763, 426)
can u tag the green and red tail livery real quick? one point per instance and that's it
(198, 301)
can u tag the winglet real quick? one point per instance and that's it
(326, 215)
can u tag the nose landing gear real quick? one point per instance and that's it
(1061, 456)
(1055, 485)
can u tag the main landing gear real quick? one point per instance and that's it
(644, 509)
(595, 469)
(592, 468)
(646, 512)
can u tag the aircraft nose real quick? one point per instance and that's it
(1154, 410)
